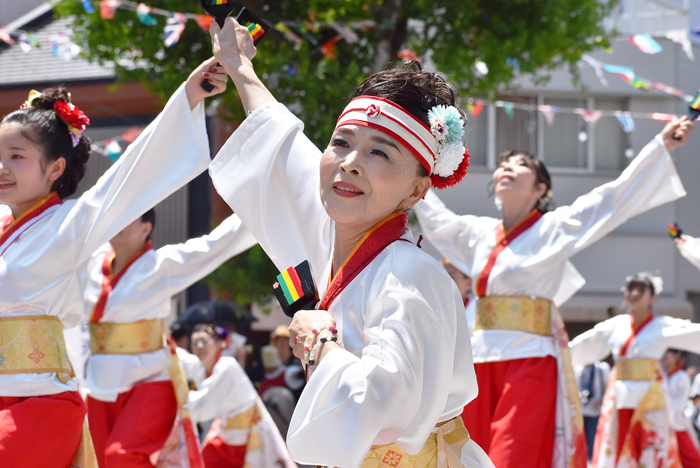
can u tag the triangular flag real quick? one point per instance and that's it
(328, 49)
(663, 117)
(508, 107)
(549, 112)
(288, 33)
(87, 6)
(590, 116)
(407, 55)
(645, 43)
(113, 149)
(597, 67)
(346, 33)
(680, 37)
(204, 21)
(143, 11)
(132, 134)
(173, 28)
(476, 108)
(669, 90)
(108, 8)
(626, 120)
(625, 73)
(24, 43)
(5, 37)
(640, 83)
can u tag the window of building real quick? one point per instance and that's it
(562, 146)
(610, 140)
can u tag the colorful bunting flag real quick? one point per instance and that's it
(62, 46)
(626, 120)
(346, 33)
(108, 8)
(143, 11)
(204, 21)
(640, 83)
(549, 113)
(476, 107)
(625, 73)
(27, 41)
(663, 117)
(597, 67)
(288, 33)
(114, 150)
(590, 116)
(508, 108)
(132, 134)
(407, 55)
(328, 49)
(646, 43)
(5, 37)
(173, 28)
(87, 6)
(680, 37)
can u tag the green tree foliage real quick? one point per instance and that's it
(509, 36)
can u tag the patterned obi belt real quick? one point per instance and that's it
(244, 420)
(521, 313)
(638, 369)
(142, 336)
(33, 344)
(443, 449)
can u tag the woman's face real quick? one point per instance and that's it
(513, 178)
(367, 175)
(638, 295)
(134, 236)
(25, 177)
(204, 346)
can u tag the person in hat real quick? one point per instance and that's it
(635, 427)
(390, 370)
(280, 370)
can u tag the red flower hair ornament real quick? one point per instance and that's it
(74, 118)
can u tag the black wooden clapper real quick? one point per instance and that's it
(693, 110)
(221, 9)
(295, 289)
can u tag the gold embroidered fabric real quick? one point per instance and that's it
(522, 313)
(33, 344)
(443, 449)
(244, 420)
(638, 369)
(142, 336)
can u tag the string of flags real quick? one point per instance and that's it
(590, 116)
(111, 147)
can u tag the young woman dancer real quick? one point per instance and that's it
(527, 411)
(393, 395)
(45, 243)
(635, 427)
(129, 286)
(245, 434)
(678, 382)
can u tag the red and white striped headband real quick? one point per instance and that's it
(393, 120)
(426, 145)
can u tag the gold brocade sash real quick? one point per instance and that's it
(522, 313)
(442, 449)
(33, 344)
(244, 420)
(638, 369)
(142, 336)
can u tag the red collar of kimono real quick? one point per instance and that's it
(503, 239)
(635, 332)
(109, 281)
(372, 244)
(12, 228)
(678, 368)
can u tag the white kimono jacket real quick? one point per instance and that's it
(679, 391)
(691, 251)
(403, 368)
(39, 272)
(536, 263)
(651, 342)
(144, 292)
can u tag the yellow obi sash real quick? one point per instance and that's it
(522, 313)
(638, 369)
(33, 344)
(244, 420)
(442, 449)
(142, 336)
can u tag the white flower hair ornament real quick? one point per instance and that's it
(447, 127)
(654, 277)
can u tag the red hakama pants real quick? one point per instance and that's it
(690, 457)
(217, 454)
(128, 431)
(513, 417)
(40, 431)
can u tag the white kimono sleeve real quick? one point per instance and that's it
(691, 251)
(398, 384)
(172, 150)
(268, 172)
(681, 334)
(184, 264)
(222, 392)
(453, 235)
(649, 181)
(592, 345)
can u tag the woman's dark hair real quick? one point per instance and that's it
(149, 217)
(216, 332)
(644, 280)
(412, 88)
(40, 124)
(542, 176)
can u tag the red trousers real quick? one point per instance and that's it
(128, 431)
(513, 417)
(41, 431)
(690, 457)
(217, 454)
